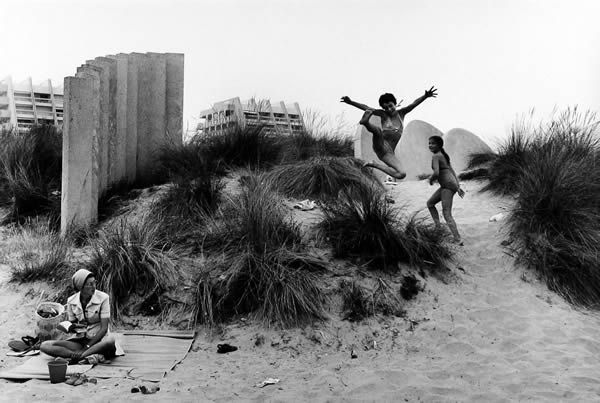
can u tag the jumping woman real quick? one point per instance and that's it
(446, 177)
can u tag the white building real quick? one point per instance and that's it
(277, 117)
(24, 104)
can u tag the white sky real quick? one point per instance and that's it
(491, 60)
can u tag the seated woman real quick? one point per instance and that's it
(92, 341)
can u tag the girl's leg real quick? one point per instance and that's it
(447, 196)
(393, 166)
(433, 200)
(61, 348)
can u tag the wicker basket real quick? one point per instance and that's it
(46, 327)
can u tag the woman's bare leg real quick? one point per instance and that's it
(447, 196)
(61, 348)
(393, 166)
(100, 347)
(435, 198)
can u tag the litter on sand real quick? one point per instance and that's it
(497, 217)
(268, 381)
(305, 205)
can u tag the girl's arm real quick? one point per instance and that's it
(358, 105)
(460, 192)
(430, 93)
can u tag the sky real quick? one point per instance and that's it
(491, 61)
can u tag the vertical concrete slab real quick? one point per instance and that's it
(103, 122)
(152, 82)
(132, 117)
(120, 156)
(174, 101)
(111, 66)
(79, 196)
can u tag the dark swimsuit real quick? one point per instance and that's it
(446, 178)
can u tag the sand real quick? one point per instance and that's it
(489, 332)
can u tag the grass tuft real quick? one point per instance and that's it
(30, 171)
(365, 226)
(132, 259)
(258, 264)
(41, 253)
(321, 178)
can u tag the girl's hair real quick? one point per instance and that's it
(387, 97)
(440, 142)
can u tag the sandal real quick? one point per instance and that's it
(73, 378)
(81, 380)
(225, 348)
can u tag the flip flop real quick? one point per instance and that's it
(30, 341)
(18, 345)
(81, 380)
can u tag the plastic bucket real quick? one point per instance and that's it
(57, 371)
(46, 327)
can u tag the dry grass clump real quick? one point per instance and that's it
(241, 147)
(366, 227)
(258, 264)
(556, 219)
(30, 171)
(321, 178)
(40, 253)
(360, 302)
(132, 259)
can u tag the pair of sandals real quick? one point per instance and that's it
(79, 379)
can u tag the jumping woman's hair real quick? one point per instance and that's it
(440, 142)
(387, 97)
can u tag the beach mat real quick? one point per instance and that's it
(37, 368)
(149, 355)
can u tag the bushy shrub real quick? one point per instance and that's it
(259, 264)
(30, 169)
(365, 226)
(241, 147)
(555, 221)
(39, 253)
(321, 178)
(132, 259)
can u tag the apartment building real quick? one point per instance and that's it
(24, 104)
(275, 117)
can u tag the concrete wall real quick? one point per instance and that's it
(121, 109)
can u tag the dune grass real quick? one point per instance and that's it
(555, 222)
(132, 259)
(259, 265)
(30, 171)
(39, 253)
(321, 178)
(366, 227)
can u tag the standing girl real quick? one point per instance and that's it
(446, 177)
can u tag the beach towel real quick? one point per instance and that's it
(149, 355)
(37, 368)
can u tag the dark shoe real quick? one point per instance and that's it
(225, 348)
(72, 379)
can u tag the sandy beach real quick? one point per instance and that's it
(486, 332)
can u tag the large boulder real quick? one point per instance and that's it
(413, 148)
(459, 144)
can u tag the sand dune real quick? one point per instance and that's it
(488, 332)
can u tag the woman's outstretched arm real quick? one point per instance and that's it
(358, 105)
(430, 93)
